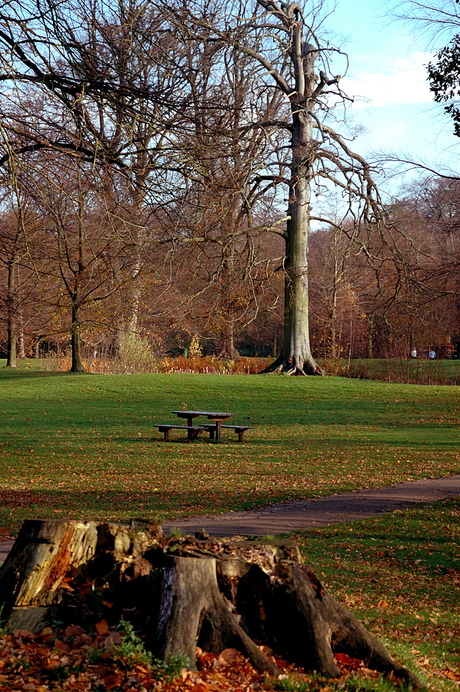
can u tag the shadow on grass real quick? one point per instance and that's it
(124, 500)
(119, 505)
(14, 374)
(313, 442)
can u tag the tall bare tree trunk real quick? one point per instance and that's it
(296, 356)
(226, 347)
(227, 333)
(11, 305)
(370, 342)
(21, 340)
(77, 363)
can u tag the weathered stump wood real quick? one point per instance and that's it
(193, 612)
(185, 592)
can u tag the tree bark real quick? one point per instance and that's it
(296, 357)
(183, 593)
(193, 613)
(21, 340)
(227, 308)
(77, 363)
(226, 341)
(370, 341)
(11, 308)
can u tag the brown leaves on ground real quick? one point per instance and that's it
(72, 659)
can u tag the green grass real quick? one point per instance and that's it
(410, 371)
(82, 445)
(400, 574)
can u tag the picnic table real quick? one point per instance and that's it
(214, 416)
(214, 428)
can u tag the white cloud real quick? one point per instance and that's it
(383, 80)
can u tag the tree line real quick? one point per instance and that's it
(177, 174)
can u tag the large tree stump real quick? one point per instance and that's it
(193, 612)
(185, 592)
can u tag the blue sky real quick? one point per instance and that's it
(387, 77)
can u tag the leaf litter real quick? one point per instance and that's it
(83, 661)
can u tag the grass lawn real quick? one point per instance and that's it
(83, 446)
(400, 574)
(413, 370)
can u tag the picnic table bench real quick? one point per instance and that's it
(192, 431)
(239, 429)
(214, 428)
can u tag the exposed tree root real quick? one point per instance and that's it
(288, 366)
(185, 592)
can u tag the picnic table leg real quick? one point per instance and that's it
(190, 434)
(218, 426)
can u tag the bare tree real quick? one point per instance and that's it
(104, 74)
(18, 236)
(122, 78)
(89, 248)
(221, 211)
(283, 45)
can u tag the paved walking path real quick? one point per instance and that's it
(304, 514)
(334, 509)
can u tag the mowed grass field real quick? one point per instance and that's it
(411, 371)
(84, 446)
(400, 575)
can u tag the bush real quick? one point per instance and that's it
(135, 354)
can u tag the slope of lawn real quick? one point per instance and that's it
(400, 574)
(85, 446)
(412, 370)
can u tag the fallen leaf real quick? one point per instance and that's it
(201, 688)
(112, 680)
(71, 631)
(102, 627)
(65, 584)
(60, 646)
(229, 656)
(25, 634)
(266, 649)
(112, 639)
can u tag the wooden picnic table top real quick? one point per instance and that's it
(209, 414)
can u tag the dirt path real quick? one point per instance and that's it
(303, 514)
